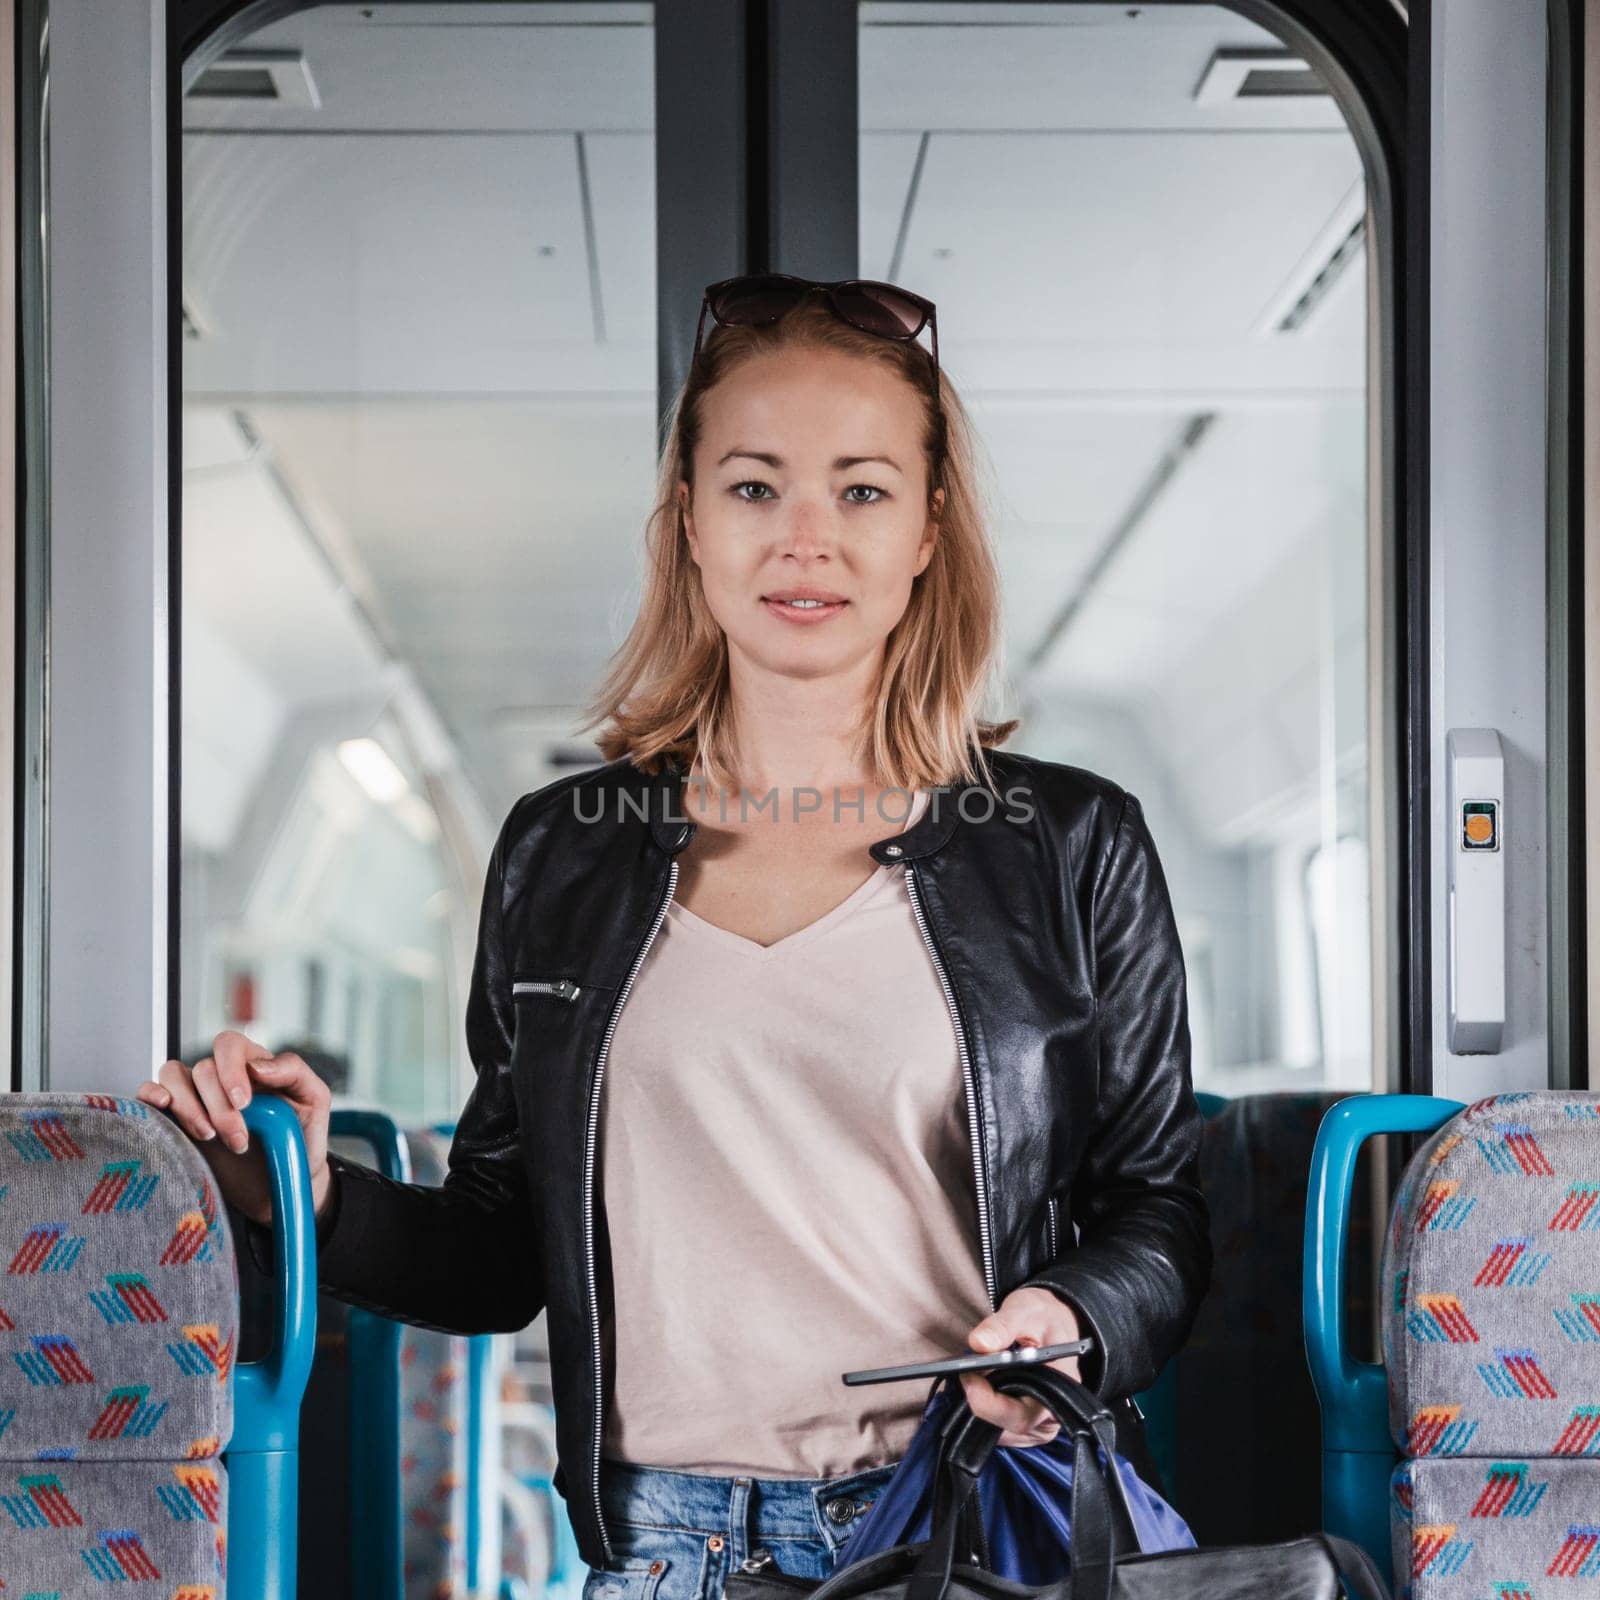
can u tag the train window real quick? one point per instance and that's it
(419, 402)
(1145, 230)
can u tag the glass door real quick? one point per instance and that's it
(1147, 231)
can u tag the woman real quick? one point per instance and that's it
(746, 1118)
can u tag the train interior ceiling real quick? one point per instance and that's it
(420, 385)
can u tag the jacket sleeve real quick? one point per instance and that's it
(464, 1257)
(1142, 1260)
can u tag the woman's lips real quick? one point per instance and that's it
(804, 614)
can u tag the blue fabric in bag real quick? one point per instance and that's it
(1026, 1497)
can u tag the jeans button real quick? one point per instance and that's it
(841, 1510)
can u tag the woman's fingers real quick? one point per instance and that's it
(290, 1077)
(209, 1100)
(219, 1107)
(183, 1101)
(1016, 1414)
(202, 1103)
(154, 1094)
(1021, 1419)
(233, 1054)
(208, 1103)
(293, 1081)
(1032, 1316)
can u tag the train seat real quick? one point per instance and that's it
(118, 1320)
(1242, 1371)
(400, 1429)
(1491, 1335)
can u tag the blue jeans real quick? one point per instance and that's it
(677, 1535)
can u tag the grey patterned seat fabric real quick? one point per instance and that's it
(1492, 1342)
(118, 1326)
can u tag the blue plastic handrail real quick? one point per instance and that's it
(263, 1453)
(377, 1526)
(1358, 1454)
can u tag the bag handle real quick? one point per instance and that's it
(966, 1442)
(1359, 1571)
(1102, 1524)
(1101, 1516)
(971, 1440)
(1102, 1519)
(1079, 1409)
(1092, 1575)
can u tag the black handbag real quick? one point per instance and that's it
(1106, 1562)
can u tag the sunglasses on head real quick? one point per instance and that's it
(881, 308)
(760, 297)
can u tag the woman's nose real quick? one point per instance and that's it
(809, 529)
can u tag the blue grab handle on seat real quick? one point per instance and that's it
(378, 1129)
(1358, 1454)
(376, 1510)
(263, 1451)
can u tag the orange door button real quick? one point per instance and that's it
(1480, 825)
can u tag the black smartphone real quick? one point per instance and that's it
(974, 1361)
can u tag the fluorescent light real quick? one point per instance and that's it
(373, 768)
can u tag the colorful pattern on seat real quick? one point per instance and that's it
(118, 1328)
(1491, 1338)
(433, 1432)
(1485, 1528)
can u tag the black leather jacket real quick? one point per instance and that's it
(1047, 917)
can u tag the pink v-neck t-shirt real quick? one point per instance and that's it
(788, 1187)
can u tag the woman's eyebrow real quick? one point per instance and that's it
(841, 464)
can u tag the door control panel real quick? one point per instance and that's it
(1477, 891)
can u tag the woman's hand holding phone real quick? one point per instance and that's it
(1028, 1316)
(208, 1102)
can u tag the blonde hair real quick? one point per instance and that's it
(666, 693)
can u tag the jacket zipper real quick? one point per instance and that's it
(1050, 1208)
(561, 988)
(974, 1123)
(588, 1200)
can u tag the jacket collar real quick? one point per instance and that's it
(672, 830)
